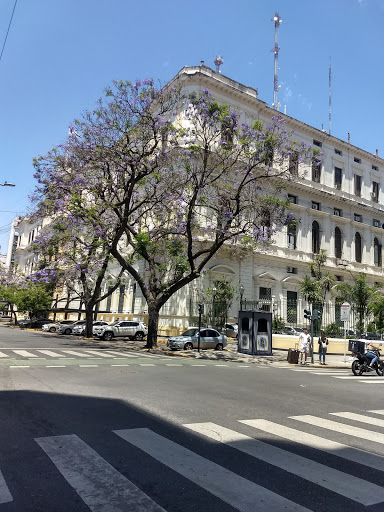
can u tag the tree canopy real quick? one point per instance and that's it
(163, 181)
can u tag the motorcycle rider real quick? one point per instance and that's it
(372, 356)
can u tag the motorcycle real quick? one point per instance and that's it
(362, 362)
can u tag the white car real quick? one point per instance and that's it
(121, 329)
(54, 326)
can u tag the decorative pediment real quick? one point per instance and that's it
(222, 269)
(291, 279)
(266, 275)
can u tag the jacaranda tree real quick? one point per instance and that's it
(167, 181)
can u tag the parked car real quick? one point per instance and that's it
(209, 338)
(291, 330)
(54, 326)
(68, 328)
(231, 330)
(37, 323)
(121, 329)
(79, 329)
(370, 336)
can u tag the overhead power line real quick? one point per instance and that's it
(9, 26)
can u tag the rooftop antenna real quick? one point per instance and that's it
(330, 96)
(278, 21)
(218, 62)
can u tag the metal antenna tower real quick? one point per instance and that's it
(330, 96)
(278, 21)
(218, 62)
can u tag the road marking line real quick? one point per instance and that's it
(3, 355)
(371, 381)
(88, 365)
(55, 366)
(119, 364)
(198, 365)
(353, 377)
(319, 443)
(341, 483)
(329, 373)
(101, 354)
(121, 354)
(235, 490)
(243, 366)
(98, 484)
(173, 364)
(379, 411)
(221, 365)
(147, 364)
(24, 353)
(74, 353)
(349, 430)
(51, 354)
(20, 366)
(5, 495)
(377, 422)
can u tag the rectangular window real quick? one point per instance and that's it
(109, 300)
(317, 143)
(375, 191)
(337, 212)
(357, 217)
(357, 160)
(338, 152)
(121, 299)
(357, 185)
(294, 163)
(265, 293)
(375, 168)
(316, 169)
(292, 307)
(376, 223)
(291, 270)
(338, 177)
(292, 199)
(315, 206)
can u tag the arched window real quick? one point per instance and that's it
(377, 252)
(338, 243)
(358, 247)
(315, 237)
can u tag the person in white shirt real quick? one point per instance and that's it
(305, 344)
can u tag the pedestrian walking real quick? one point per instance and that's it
(323, 344)
(305, 345)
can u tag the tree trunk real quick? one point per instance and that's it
(89, 320)
(153, 325)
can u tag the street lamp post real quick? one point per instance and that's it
(241, 297)
(213, 307)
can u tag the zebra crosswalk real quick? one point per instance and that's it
(81, 353)
(370, 378)
(344, 476)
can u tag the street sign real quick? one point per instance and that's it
(345, 310)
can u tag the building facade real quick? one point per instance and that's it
(337, 202)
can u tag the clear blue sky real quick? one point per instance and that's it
(60, 55)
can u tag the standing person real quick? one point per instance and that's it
(305, 344)
(323, 344)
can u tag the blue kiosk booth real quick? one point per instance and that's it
(255, 332)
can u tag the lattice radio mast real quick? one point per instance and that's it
(278, 21)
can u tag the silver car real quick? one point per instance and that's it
(79, 329)
(54, 326)
(209, 338)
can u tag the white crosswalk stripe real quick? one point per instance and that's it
(50, 353)
(231, 488)
(24, 353)
(343, 428)
(99, 485)
(347, 485)
(78, 354)
(377, 422)
(5, 495)
(100, 353)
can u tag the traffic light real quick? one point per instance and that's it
(316, 314)
(201, 309)
(307, 314)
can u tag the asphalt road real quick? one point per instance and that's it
(114, 430)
